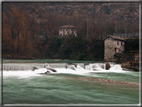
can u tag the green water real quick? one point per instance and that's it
(68, 89)
(45, 61)
(128, 77)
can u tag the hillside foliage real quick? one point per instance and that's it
(26, 37)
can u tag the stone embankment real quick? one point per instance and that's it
(131, 65)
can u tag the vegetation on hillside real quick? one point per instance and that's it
(132, 46)
(26, 37)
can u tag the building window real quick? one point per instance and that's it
(115, 50)
(114, 56)
(117, 42)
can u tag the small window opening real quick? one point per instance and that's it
(117, 42)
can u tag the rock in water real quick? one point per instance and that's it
(107, 66)
(46, 65)
(47, 72)
(49, 68)
(72, 64)
(34, 67)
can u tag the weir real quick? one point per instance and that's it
(21, 66)
(24, 70)
(29, 66)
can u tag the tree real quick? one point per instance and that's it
(7, 42)
(81, 56)
(18, 32)
(59, 41)
(63, 52)
(33, 29)
(15, 15)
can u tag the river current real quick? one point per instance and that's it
(71, 84)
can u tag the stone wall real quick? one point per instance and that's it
(109, 50)
(119, 45)
(131, 65)
(112, 47)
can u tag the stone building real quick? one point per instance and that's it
(67, 30)
(112, 46)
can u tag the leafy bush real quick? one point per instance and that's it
(132, 45)
(81, 56)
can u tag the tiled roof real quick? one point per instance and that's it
(67, 26)
(116, 37)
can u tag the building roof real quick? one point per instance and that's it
(127, 35)
(67, 26)
(115, 37)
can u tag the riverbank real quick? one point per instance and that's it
(131, 65)
(108, 81)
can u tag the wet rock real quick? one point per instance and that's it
(126, 64)
(49, 68)
(131, 65)
(107, 66)
(72, 64)
(46, 65)
(34, 67)
(47, 72)
(71, 67)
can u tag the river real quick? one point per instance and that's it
(90, 84)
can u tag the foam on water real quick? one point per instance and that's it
(72, 69)
(24, 74)
(19, 74)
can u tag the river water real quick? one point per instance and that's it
(90, 84)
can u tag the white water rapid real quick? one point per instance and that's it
(69, 69)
